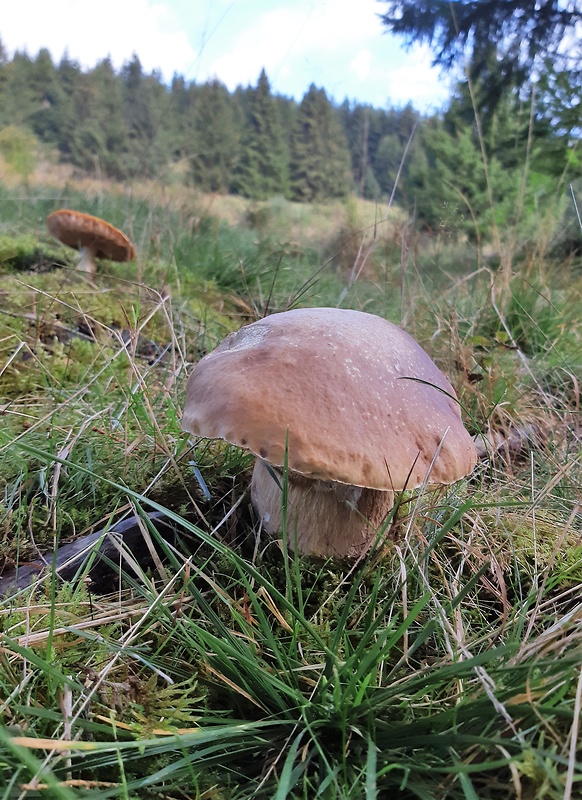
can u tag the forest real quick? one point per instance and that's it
(128, 124)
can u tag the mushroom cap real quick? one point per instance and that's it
(79, 230)
(353, 397)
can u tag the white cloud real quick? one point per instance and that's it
(303, 31)
(361, 65)
(417, 79)
(90, 32)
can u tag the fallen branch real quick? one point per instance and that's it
(103, 546)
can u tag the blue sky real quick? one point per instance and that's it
(338, 44)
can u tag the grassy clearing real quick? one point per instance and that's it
(447, 664)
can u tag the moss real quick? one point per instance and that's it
(525, 544)
(545, 544)
(26, 252)
(57, 330)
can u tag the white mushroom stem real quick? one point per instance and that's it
(87, 261)
(324, 518)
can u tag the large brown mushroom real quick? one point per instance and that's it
(356, 404)
(92, 236)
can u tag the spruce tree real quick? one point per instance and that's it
(262, 166)
(72, 81)
(46, 89)
(520, 35)
(465, 181)
(179, 106)
(92, 127)
(109, 119)
(320, 159)
(358, 122)
(146, 105)
(19, 100)
(215, 138)
(387, 161)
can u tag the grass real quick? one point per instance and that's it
(446, 664)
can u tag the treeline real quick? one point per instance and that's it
(250, 142)
(129, 124)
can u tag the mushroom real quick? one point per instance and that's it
(349, 401)
(92, 236)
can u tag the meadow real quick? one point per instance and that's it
(447, 663)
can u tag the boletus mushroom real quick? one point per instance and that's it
(92, 236)
(353, 402)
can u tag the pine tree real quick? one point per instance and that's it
(262, 167)
(320, 159)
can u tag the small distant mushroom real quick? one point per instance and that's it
(353, 402)
(92, 236)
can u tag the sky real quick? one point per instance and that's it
(339, 45)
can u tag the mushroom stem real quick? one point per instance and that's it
(324, 518)
(87, 261)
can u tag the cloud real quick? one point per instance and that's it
(90, 33)
(338, 44)
(417, 79)
(299, 33)
(361, 65)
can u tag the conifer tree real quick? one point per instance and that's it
(179, 108)
(320, 159)
(3, 63)
(359, 123)
(262, 166)
(519, 35)
(92, 127)
(145, 107)
(109, 127)
(466, 179)
(558, 123)
(387, 161)
(47, 91)
(71, 79)
(215, 138)
(18, 97)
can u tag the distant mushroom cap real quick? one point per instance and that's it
(353, 397)
(79, 230)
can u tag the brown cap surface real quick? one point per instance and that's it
(83, 230)
(362, 403)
